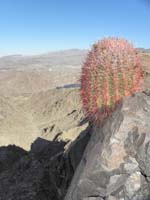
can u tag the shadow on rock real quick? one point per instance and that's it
(43, 173)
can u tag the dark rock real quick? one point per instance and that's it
(9, 155)
(76, 149)
(147, 92)
(44, 150)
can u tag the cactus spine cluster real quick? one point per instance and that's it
(111, 71)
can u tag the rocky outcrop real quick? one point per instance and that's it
(116, 162)
(108, 163)
(43, 173)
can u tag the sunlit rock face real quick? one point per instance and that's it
(116, 162)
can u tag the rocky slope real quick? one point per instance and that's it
(50, 114)
(108, 163)
(16, 83)
(116, 162)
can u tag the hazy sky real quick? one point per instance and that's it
(35, 26)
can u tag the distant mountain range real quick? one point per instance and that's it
(143, 50)
(68, 58)
(72, 58)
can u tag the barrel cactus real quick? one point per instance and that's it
(111, 71)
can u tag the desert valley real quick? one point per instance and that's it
(44, 134)
(41, 92)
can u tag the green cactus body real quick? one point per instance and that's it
(110, 102)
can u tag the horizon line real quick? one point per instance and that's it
(55, 51)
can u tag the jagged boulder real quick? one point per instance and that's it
(116, 162)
